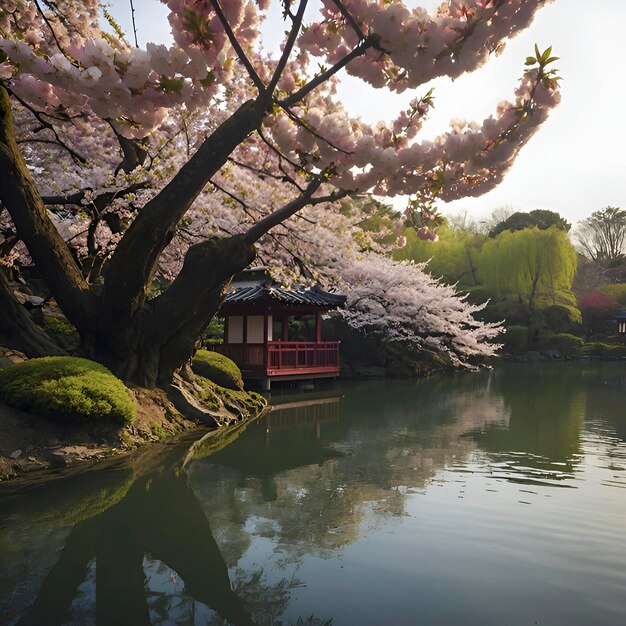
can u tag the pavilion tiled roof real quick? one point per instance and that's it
(255, 285)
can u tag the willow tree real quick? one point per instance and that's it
(454, 257)
(532, 265)
(93, 98)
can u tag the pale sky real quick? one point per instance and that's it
(574, 164)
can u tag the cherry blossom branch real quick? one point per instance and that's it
(350, 19)
(256, 79)
(294, 118)
(257, 170)
(79, 158)
(291, 40)
(455, 46)
(132, 16)
(59, 144)
(255, 232)
(245, 207)
(322, 77)
(299, 261)
(54, 36)
(100, 202)
(293, 164)
(134, 151)
(154, 157)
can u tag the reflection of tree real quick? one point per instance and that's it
(542, 437)
(159, 516)
(142, 518)
(336, 480)
(605, 391)
(310, 489)
(36, 524)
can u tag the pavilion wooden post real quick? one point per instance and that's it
(266, 349)
(317, 355)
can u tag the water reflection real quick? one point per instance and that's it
(311, 486)
(253, 531)
(158, 515)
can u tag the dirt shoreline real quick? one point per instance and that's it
(41, 449)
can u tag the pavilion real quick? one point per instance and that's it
(257, 312)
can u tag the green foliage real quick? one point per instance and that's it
(218, 368)
(58, 325)
(540, 218)
(560, 318)
(535, 266)
(158, 431)
(516, 339)
(616, 292)
(511, 311)
(600, 349)
(568, 345)
(214, 331)
(454, 257)
(477, 294)
(67, 387)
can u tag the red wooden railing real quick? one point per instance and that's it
(283, 357)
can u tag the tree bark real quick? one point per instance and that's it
(162, 336)
(35, 228)
(135, 259)
(17, 329)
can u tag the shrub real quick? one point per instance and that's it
(597, 348)
(218, 368)
(516, 339)
(510, 311)
(559, 318)
(616, 292)
(568, 345)
(67, 387)
(214, 331)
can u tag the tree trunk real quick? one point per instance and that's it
(163, 334)
(51, 254)
(134, 262)
(17, 329)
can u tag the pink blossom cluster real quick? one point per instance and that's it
(414, 47)
(469, 160)
(326, 243)
(77, 65)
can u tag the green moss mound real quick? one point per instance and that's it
(59, 325)
(218, 368)
(67, 387)
(216, 397)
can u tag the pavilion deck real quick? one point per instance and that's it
(286, 360)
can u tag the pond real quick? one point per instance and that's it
(467, 499)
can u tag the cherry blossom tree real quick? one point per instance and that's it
(104, 116)
(331, 245)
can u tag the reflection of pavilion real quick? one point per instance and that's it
(257, 335)
(310, 411)
(269, 449)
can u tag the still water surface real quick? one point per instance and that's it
(496, 498)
